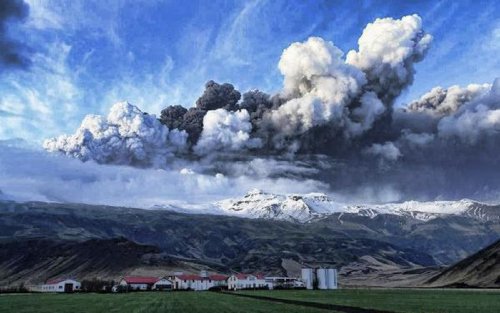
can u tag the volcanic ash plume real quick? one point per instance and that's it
(226, 131)
(126, 136)
(334, 121)
(326, 101)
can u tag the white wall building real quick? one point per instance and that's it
(246, 281)
(138, 282)
(59, 285)
(163, 284)
(274, 282)
(190, 282)
(196, 282)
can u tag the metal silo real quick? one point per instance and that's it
(307, 277)
(332, 278)
(322, 277)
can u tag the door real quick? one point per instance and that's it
(68, 287)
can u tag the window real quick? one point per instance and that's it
(60, 287)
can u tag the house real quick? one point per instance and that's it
(246, 281)
(59, 285)
(218, 280)
(190, 282)
(198, 282)
(145, 283)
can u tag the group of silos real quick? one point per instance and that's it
(319, 278)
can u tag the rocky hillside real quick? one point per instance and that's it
(36, 260)
(481, 269)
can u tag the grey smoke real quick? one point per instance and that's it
(13, 53)
(335, 117)
(218, 96)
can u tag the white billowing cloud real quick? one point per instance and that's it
(319, 83)
(387, 151)
(308, 66)
(472, 124)
(440, 101)
(476, 119)
(388, 48)
(350, 94)
(226, 131)
(365, 115)
(127, 136)
(417, 139)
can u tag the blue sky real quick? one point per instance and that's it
(87, 55)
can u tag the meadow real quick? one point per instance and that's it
(142, 302)
(399, 300)
(342, 300)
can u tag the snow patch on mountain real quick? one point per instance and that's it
(292, 207)
(306, 207)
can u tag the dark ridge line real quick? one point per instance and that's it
(327, 306)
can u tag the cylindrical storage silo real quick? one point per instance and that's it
(307, 277)
(322, 277)
(332, 278)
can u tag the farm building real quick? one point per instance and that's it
(58, 285)
(283, 282)
(146, 283)
(246, 281)
(198, 282)
(163, 284)
(218, 279)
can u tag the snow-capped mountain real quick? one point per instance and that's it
(293, 207)
(306, 207)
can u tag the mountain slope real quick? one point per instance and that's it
(481, 269)
(221, 243)
(36, 260)
(226, 243)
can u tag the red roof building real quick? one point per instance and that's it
(218, 277)
(148, 280)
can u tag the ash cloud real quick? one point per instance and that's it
(126, 136)
(13, 53)
(335, 120)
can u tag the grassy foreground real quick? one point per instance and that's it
(400, 300)
(394, 300)
(147, 302)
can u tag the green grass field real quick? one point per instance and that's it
(395, 300)
(400, 300)
(147, 302)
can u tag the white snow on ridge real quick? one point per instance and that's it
(293, 207)
(303, 208)
(306, 207)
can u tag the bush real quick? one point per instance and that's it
(15, 289)
(96, 285)
(256, 288)
(218, 288)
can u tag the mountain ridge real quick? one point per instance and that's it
(345, 240)
(303, 208)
